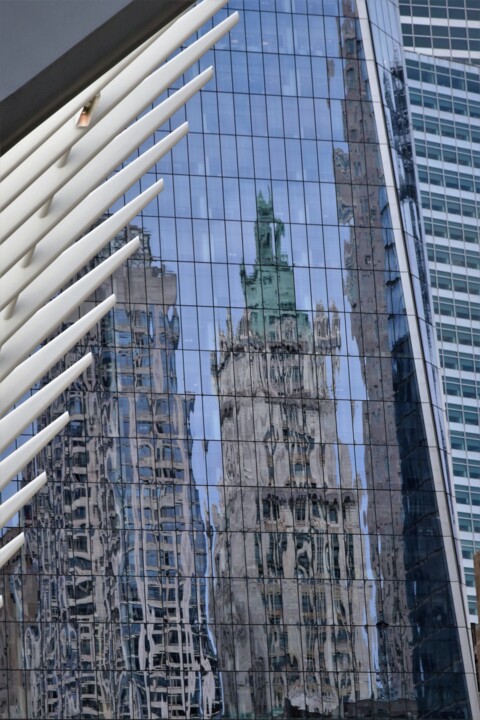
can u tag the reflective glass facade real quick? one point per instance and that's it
(250, 513)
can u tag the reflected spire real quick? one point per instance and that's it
(269, 291)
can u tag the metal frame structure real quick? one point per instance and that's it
(53, 190)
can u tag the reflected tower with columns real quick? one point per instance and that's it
(289, 602)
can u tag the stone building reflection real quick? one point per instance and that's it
(294, 601)
(326, 622)
(329, 595)
(120, 628)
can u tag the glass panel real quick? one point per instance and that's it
(244, 519)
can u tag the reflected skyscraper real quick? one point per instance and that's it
(296, 559)
(284, 553)
(251, 513)
(122, 630)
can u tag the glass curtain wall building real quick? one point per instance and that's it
(250, 516)
(445, 103)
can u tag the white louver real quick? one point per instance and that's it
(52, 191)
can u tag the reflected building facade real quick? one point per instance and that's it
(294, 560)
(251, 514)
(119, 547)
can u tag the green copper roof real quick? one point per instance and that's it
(270, 290)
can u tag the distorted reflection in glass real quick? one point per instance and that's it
(123, 631)
(242, 520)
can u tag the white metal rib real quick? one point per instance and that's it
(16, 461)
(38, 364)
(46, 320)
(105, 129)
(85, 213)
(17, 501)
(9, 550)
(11, 425)
(60, 270)
(104, 162)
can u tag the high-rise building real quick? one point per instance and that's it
(251, 515)
(442, 28)
(444, 91)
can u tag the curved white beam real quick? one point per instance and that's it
(44, 322)
(104, 130)
(37, 365)
(86, 212)
(17, 501)
(9, 550)
(69, 263)
(17, 460)
(17, 420)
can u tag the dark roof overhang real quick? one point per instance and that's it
(50, 50)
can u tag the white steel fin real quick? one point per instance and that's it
(17, 501)
(60, 270)
(10, 549)
(86, 212)
(44, 322)
(16, 461)
(17, 420)
(38, 364)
